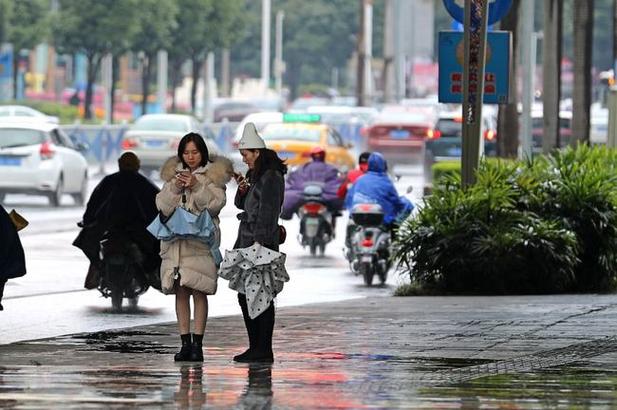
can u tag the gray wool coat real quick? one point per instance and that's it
(262, 207)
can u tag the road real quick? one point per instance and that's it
(51, 301)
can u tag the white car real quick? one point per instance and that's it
(155, 137)
(21, 113)
(39, 158)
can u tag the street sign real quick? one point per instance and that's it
(498, 67)
(497, 9)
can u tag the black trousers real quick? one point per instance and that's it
(260, 329)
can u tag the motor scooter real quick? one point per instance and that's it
(121, 276)
(315, 220)
(369, 250)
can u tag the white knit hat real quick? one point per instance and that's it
(250, 138)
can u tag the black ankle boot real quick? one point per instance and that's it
(184, 355)
(197, 353)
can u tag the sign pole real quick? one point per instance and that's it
(476, 18)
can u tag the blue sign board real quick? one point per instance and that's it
(497, 72)
(497, 9)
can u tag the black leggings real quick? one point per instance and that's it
(259, 329)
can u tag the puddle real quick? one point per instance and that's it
(123, 342)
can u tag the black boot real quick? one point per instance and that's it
(197, 352)
(251, 330)
(184, 355)
(265, 324)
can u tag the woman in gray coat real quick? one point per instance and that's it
(260, 196)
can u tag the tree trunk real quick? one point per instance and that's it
(94, 62)
(508, 121)
(15, 73)
(196, 71)
(583, 45)
(146, 71)
(293, 73)
(174, 76)
(551, 74)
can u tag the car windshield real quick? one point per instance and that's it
(449, 127)
(17, 137)
(160, 124)
(276, 132)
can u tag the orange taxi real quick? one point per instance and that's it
(294, 138)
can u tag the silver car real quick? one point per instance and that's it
(155, 137)
(39, 158)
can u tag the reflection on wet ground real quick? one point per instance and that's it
(364, 355)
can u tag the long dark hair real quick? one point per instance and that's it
(199, 143)
(266, 160)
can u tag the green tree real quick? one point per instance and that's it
(27, 28)
(203, 26)
(157, 21)
(5, 13)
(94, 28)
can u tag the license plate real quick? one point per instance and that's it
(367, 258)
(399, 134)
(286, 154)
(155, 143)
(10, 161)
(454, 152)
(312, 221)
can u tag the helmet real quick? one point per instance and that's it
(363, 161)
(318, 154)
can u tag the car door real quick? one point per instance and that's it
(73, 163)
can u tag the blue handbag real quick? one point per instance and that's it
(183, 224)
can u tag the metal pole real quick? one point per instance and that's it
(106, 73)
(476, 12)
(611, 138)
(208, 88)
(265, 44)
(528, 60)
(368, 52)
(389, 51)
(161, 77)
(225, 65)
(399, 59)
(278, 53)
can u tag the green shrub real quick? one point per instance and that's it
(445, 168)
(539, 226)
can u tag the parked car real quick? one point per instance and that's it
(233, 110)
(39, 158)
(598, 128)
(400, 136)
(294, 139)
(445, 140)
(21, 112)
(155, 137)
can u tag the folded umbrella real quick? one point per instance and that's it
(257, 272)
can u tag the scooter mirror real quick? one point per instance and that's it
(409, 189)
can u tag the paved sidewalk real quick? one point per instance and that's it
(416, 352)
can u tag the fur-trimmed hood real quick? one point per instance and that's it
(220, 170)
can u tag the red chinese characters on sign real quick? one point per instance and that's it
(456, 83)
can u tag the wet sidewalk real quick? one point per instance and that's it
(385, 352)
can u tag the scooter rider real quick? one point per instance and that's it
(125, 201)
(316, 171)
(377, 187)
(354, 174)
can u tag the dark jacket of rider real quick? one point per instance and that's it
(375, 187)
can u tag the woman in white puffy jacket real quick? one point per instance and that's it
(188, 266)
